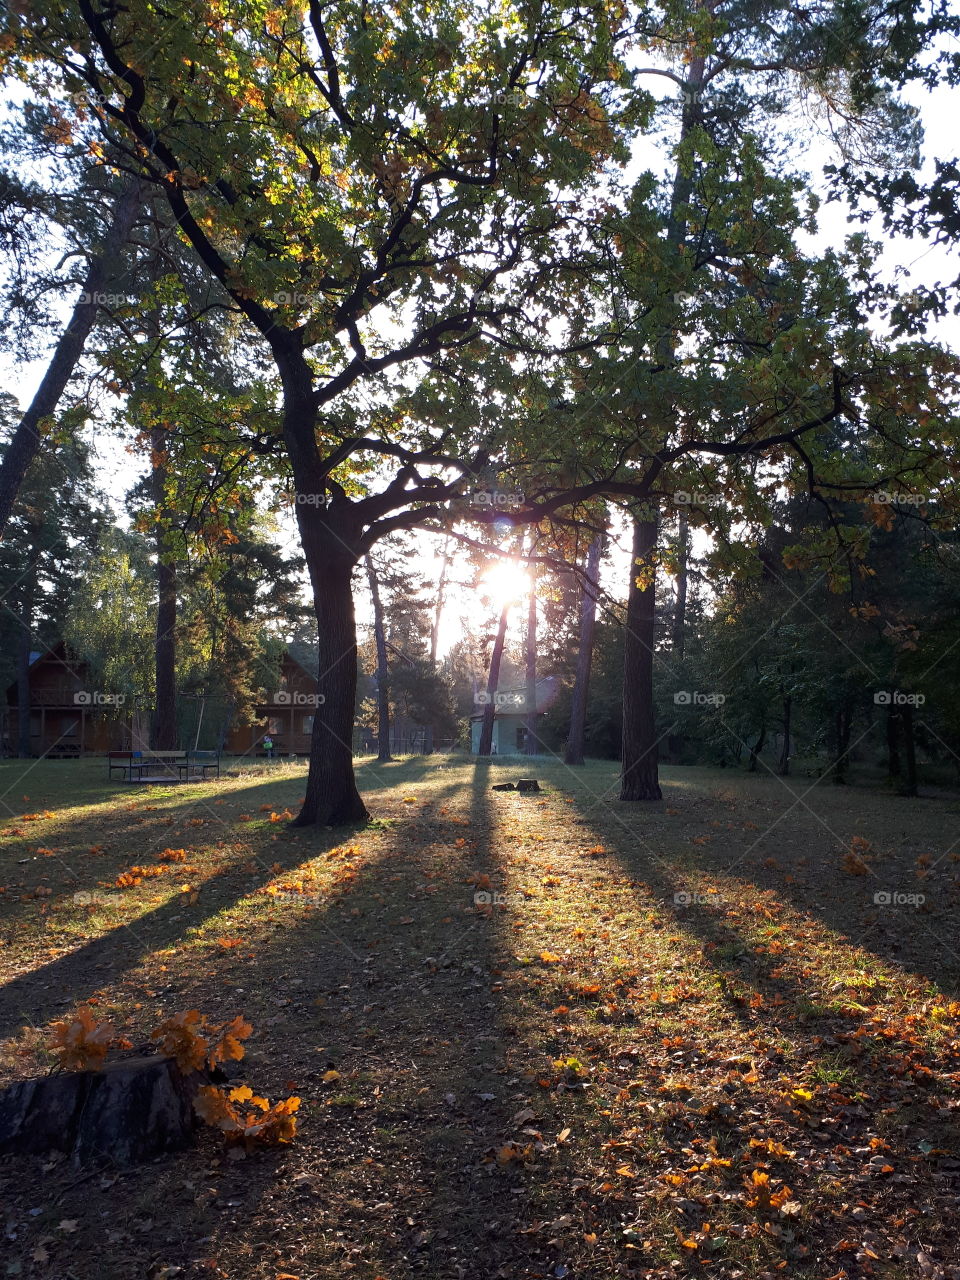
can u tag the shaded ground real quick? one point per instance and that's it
(587, 1076)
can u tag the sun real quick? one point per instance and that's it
(504, 582)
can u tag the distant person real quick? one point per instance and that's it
(268, 747)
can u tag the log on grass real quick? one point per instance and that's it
(124, 1114)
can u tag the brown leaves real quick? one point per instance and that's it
(227, 1046)
(854, 864)
(81, 1042)
(515, 1153)
(194, 1042)
(180, 1037)
(763, 1199)
(263, 1126)
(173, 855)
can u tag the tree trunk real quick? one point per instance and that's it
(680, 604)
(909, 784)
(493, 680)
(24, 639)
(163, 733)
(435, 632)
(438, 607)
(757, 748)
(130, 1111)
(639, 779)
(841, 732)
(581, 683)
(783, 766)
(383, 669)
(530, 745)
(893, 743)
(27, 438)
(332, 798)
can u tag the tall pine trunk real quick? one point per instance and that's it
(531, 745)
(680, 604)
(435, 630)
(639, 778)
(438, 607)
(28, 436)
(757, 747)
(581, 683)
(493, 680)
(783, 766)
(163, 735)
(383, 668)
(908, 786)
(893, 742)
(24, 641)
(842, 722)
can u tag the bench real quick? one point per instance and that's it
(199, 762)
(126, 763)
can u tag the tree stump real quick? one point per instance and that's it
(503, 786)
(126, 1113)
(528, 784)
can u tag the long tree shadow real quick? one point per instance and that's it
(380, 996)
(831, 1029)
(388, 983)
(35, 996)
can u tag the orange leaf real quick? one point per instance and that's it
(179, 1037)
(81, 1042)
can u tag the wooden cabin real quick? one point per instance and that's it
(284, 714)
(68, 716)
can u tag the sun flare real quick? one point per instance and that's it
(504, 583)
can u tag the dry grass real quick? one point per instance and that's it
(582, 1078)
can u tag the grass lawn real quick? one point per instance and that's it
(582, 1078)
